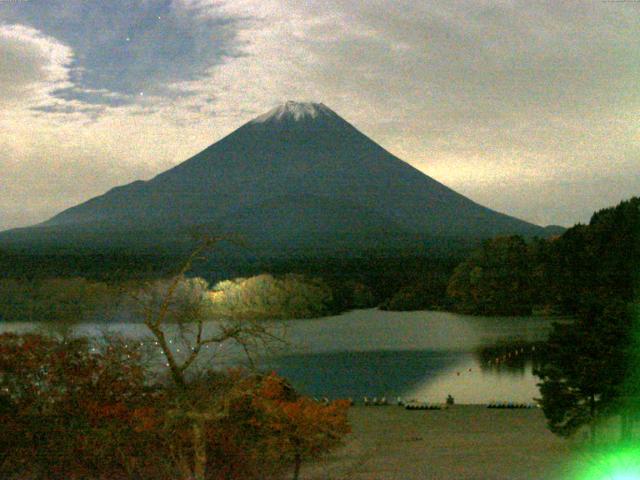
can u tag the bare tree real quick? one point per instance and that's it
(184, 306)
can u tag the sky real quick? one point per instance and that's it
(528, 107)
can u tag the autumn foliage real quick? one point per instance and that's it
(71, 411)
(76, 410)
(297, 428)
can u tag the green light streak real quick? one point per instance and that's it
(622, 463)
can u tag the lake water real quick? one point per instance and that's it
(416, 355)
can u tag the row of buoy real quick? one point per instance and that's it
(409, 405)
(509, 355)
(325, 401)
(375, 402)
(510, 405)
(424, 406)
(418, 405)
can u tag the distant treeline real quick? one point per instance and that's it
(587, 265)
(62, 302)
(34, 285)
(407, 282)
(576, 273)
(108, 266)
(65, 300)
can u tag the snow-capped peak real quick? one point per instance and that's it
(296, 111)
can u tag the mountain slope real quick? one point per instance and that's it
(297, 173)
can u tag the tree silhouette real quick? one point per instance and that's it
(183, 304)
(587, 363)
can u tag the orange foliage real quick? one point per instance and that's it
(71, 410)
(300, 427)
(268, 427)
(78, 413)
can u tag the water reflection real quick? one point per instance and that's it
(510, 356)
(423, 355)
(360, 374)
(422, 375)
(468, 383)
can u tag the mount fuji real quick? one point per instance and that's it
(296, 177)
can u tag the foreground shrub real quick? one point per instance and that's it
(74, 410)
(71, 411)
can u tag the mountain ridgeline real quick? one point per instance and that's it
(298, 178)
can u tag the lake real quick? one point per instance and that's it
(423, 355)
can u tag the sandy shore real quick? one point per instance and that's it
(463, 442)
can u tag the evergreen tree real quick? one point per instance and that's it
(592, 265)
(585, 370)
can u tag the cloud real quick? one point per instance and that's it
(476, 94)
(33, 65)
(125, 48)
(528, 107)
